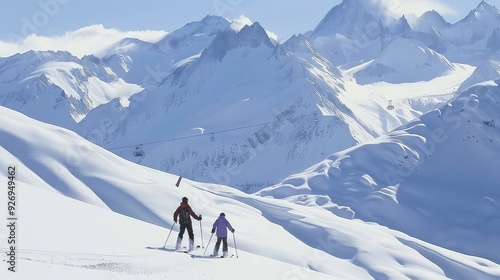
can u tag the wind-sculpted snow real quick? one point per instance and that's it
(434, 178)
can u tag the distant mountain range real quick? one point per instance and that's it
(59, 88)
(264, 104)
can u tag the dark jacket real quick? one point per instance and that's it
(184, 206)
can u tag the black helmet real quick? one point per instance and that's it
(222, 214)
(185, 199)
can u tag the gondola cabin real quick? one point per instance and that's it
(390, 106)
(139, 152)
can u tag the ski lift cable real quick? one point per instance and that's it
(200, 135)
(190, 136)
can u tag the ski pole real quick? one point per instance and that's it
(201, 229)
(236, 248)
(168, 235)
(208, 243)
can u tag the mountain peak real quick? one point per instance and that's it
(211, 19)
(250, 35)
(475, 28)
(340, 17)
(39, 57)
(208, 25)
(255, 35)
(124, 46)
(430, 22)
(483, 6)
(483, 10)
(434, 16)
(401, 26)
(352, 17)
(296, 45)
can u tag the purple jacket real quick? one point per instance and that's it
(221, 224)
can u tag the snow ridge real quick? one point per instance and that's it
(395, 176)
(59, 88)
(405, 61)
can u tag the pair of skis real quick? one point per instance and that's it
(194, 255)
(210, 257)
(185, 251)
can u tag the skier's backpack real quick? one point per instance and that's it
(184, 215)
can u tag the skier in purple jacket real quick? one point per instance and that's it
(221, 225)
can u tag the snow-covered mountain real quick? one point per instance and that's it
(474, 36)
(283, 103)
(476, 28)
(147, 64)
(111, 230)
(119, 57)
(404, 61)
(487, 71)
(57, 87)
(355, 30)
(399, 145)
(430, 22)
(435, 178)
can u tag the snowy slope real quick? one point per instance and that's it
(62, 238)
(369, 102)
(487, 71)
(404, 61)
(58, 87)
(435, 178)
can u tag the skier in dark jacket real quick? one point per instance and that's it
(221, 225)
(184, 212)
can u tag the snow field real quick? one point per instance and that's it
(55, 229)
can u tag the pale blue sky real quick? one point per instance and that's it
(283, 17)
